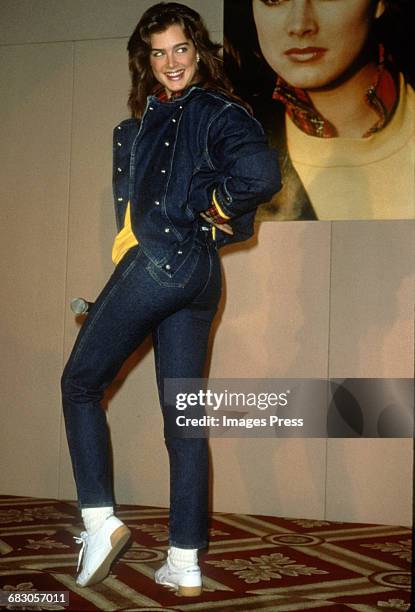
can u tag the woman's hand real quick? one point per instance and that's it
(213, 218)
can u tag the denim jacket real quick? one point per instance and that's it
(168, 165)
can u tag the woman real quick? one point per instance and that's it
(190, 167)
(331, 83)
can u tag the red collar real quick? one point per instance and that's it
(160, 93)
(382, 96)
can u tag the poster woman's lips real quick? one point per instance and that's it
(305, 54)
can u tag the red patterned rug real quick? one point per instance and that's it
(253, 562)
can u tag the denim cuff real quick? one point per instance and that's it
(202, 544)
(100, 504)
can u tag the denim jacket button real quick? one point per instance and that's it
(180, 252)
(120, 199)
(119, 127)
(174, 120)
(167, 229)
(156, 202)
(119, 169)
(163, 171)
(168, 267)
(119, 144)
(167, 143)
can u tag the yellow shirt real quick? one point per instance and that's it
(360, 178)
(124, 240)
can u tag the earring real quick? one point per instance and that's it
(197, 57)
(380, 9)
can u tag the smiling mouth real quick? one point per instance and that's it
(306, 54)
(175, 75)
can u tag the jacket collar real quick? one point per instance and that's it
(382, 96)
(159, 95)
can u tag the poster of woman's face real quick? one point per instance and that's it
(332, 83)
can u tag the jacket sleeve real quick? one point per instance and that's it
(244, 172)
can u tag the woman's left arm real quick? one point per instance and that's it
(246, 170)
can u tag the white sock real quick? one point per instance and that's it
(94, 518)
(182, 557)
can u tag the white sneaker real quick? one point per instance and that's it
(188, 581)
(99, 550)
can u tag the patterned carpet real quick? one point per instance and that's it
(253, 563)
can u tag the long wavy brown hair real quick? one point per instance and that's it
(157, 19)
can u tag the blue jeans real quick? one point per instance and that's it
(178, 309)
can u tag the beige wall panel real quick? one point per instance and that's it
(372, 299)
(269, 476)
(101, 86)
(35, 140)
(274, 324)
(140, 457)
(100, 93)
(23, 21)
(372, 331)
(369, 481)
(276, 304)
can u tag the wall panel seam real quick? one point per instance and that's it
(65, 292)
(328, 362)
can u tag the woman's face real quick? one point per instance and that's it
(173, 59)
(312, 43)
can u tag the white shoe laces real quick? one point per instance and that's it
(82, 539)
